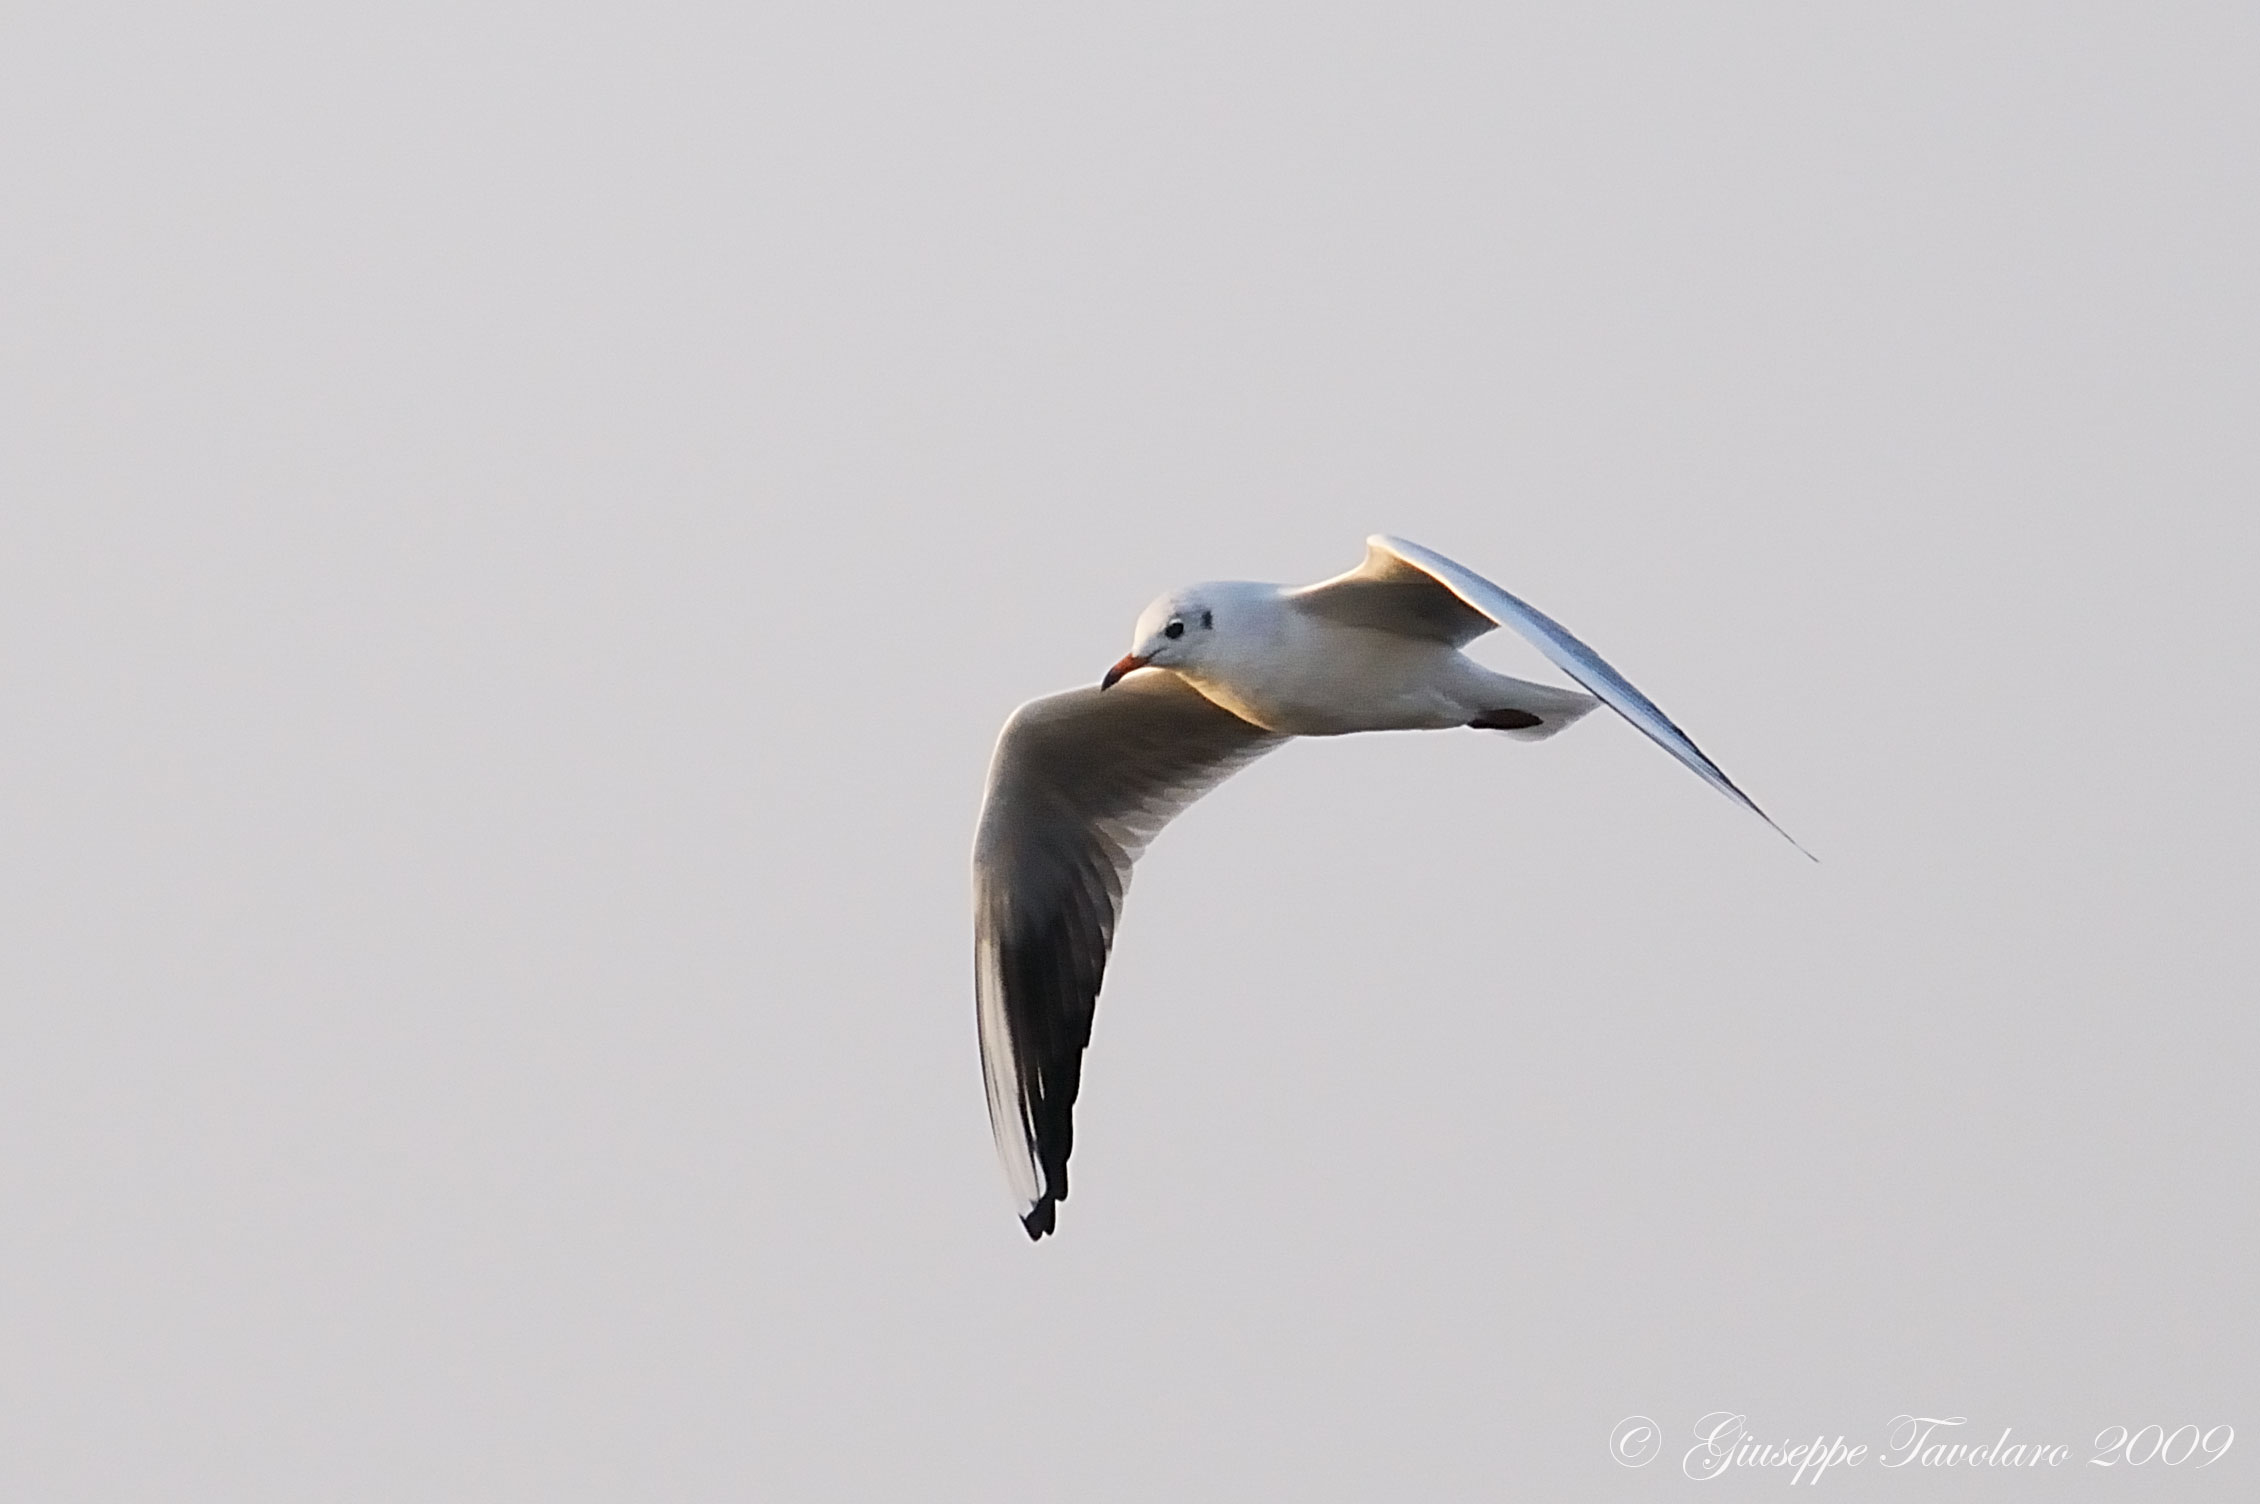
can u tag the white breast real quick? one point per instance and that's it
(1300, 675)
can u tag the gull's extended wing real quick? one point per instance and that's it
(1079, 784)
(1390, 561)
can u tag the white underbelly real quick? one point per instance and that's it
(1361, 681)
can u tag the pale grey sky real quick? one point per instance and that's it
(521, 524)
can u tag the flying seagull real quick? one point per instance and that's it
(1216, 676)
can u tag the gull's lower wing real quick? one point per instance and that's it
(1573, 658)
(1080, 782)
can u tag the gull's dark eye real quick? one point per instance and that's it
(1208, 621)
(1174, 629)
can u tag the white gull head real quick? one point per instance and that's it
(1199, 627)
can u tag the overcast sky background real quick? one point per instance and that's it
(518, 528)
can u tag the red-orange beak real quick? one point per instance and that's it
(1129, 662)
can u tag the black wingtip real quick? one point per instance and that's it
(1040, 1218)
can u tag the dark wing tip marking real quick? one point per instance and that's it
(1040, 1218)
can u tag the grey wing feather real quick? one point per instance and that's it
(1080, 782)
(1391, 594)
